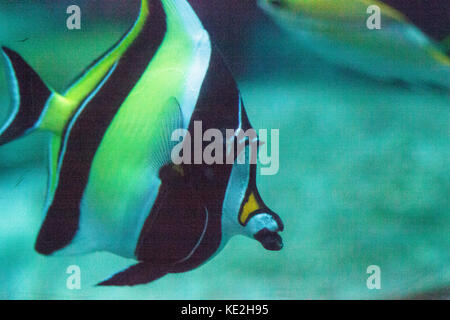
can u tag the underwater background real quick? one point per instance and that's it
(364, 173)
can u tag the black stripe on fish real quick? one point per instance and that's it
(219, 106)
(184, 241)
(178, 220)
(84, 138)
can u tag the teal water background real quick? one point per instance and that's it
(364, 174)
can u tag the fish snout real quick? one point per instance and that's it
(270, 240)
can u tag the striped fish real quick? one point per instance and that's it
(112, 185)
(405, 47)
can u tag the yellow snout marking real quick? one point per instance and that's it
(250, 206)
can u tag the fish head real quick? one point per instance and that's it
(316, 14)
(291, 15)
(281, 9)
(244, 212)
(276, 5)
(265, 227)
(313, 8)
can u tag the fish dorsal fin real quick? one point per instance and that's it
(182, 14)
(29, 95)
(95, 73)
(171, 120)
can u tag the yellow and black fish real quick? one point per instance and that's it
(112, 185)
(411, 43)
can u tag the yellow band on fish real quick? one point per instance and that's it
(250, 206)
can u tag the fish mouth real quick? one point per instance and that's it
(270, 240)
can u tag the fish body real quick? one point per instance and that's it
(112, 184)
(337, 31)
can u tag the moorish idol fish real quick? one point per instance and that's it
(112, 185)
(337, 30)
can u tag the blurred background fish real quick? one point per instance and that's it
(388, 39)
(364, 175)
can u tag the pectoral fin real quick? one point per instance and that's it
(171, 120)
